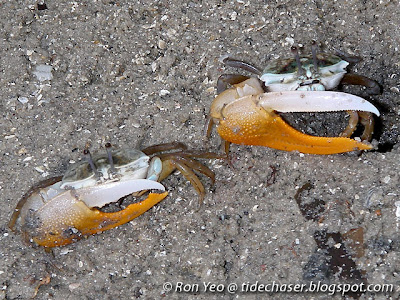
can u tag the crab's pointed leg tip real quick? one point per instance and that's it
(223, 58)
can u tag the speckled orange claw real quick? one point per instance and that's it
(51, 216)
(78, 220)
(246, 115)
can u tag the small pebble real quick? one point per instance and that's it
(23, 100)
(164, 92)
(162, 45)
(74, 286)
(43, 72)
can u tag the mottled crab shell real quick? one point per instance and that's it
(59, 212)
(282, 74)
(128, 164)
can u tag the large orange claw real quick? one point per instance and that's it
(79, 220)
(259, 127)
(246, 115)
(52, 216)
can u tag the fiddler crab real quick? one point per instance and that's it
(61, 210)
(247, 112)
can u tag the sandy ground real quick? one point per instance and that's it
(142, 73)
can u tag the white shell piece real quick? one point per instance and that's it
(314, 101)
(43, 72)
(100, 195)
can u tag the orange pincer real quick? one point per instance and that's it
(246, 115)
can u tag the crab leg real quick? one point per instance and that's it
(226, 145)
(367, 120)
(239, 64)
(372, 86)
(187, 166)
(351, 127)
(174, 164)
(164, 147)
(195, 165)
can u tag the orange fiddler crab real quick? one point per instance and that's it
(247, 112)
(61, 210)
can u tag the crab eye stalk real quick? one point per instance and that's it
(110, 158)
(300, 70)
(89, 159)
(314, 49)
